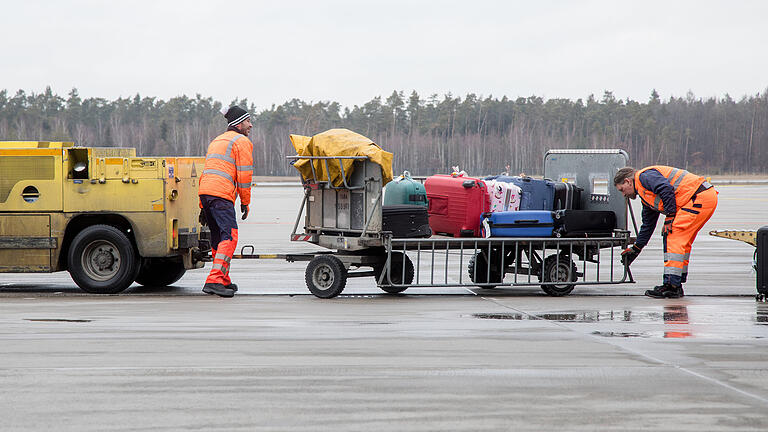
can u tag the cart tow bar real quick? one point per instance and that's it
(286, 257)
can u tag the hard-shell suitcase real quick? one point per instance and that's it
(456, 204)
(522, 223)
(762, 260)
(584, 223)
(405, 190)
(406, 221)
(536, 194)
(503, 196)
(567, 196)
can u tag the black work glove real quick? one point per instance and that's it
(201, 218)
(630, 254)
(244, 210)
(667, 228)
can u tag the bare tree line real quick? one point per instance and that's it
(426, 135)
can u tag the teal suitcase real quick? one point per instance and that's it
(405, 191)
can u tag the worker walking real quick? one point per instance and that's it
(687, 200)
(227, 174)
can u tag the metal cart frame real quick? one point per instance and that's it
(347, 220)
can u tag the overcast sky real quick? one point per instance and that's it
(351, 51)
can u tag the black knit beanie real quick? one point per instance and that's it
(235, 115)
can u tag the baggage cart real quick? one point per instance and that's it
(347, 221)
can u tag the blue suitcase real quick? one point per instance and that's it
(536, 194)
(523, 223)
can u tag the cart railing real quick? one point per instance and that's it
(328, 183)
(472, 262)
(351, 210)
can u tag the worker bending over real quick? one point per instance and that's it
(227, 174)
(687, 200)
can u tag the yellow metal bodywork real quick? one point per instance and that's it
(44, 187)
(745, 236)
(21, 226)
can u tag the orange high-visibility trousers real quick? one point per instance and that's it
(220, 214)
(688, 220)
(222, 256)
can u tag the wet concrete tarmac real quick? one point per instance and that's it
(383, 363)
(276, 358)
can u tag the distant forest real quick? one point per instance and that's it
(427, 134)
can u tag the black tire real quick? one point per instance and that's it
(478, 270)
(160, 272)
(558, 269)
(102, 260)
(326, 276)
(396, 273)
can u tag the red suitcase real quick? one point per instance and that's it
(455, 204)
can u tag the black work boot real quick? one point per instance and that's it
(665, 291)
(656, 292)
(232, 286)
(218, 289)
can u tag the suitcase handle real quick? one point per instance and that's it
(517, 224)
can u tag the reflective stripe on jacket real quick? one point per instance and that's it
(228, 168)
(684, 183)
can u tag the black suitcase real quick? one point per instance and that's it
(584, 223)
(406, 221)
(762, 261)
(567, 197)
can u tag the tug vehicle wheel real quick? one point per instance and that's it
(160, 272)
(102, 260)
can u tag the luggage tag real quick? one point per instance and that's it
(457, 173)
(486, 230)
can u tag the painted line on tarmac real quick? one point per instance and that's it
(640, 354)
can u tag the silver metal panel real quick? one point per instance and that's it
(357, 210)
(342, 208)
(374, 195)
(329, 208)
(315, 209)
(593, 171)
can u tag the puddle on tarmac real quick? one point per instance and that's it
(585, 316)
(621, 334)
(717, 322)
(668, 314)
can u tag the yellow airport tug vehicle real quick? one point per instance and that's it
(758, 239)
(108, 217)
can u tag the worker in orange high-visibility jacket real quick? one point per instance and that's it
(687, 200)
(227, 175)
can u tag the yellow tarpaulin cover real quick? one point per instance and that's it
(338, 142)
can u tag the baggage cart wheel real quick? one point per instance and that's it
(396, 273)
(326, 276)
(558, 269)
(478, 268)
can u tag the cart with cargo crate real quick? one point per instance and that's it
(347, 221)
